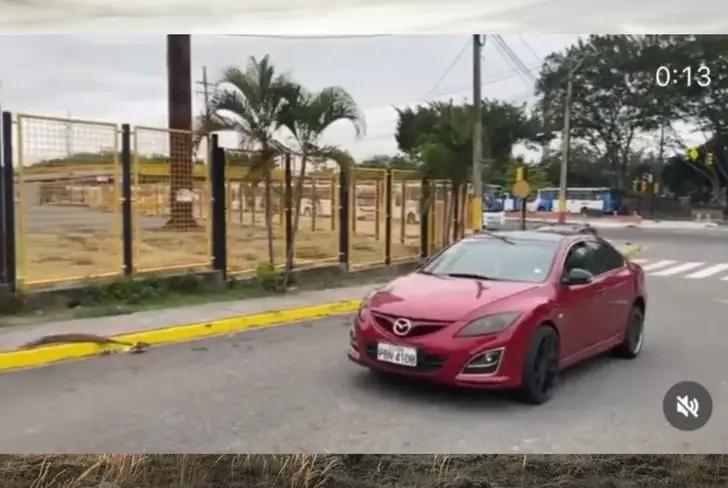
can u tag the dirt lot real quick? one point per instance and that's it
(332, 471)
(70, 243)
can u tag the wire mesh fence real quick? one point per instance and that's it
(171, 200)
(68, 212)
(406, 214)
(367, 216)
(255, 205)
(70, 226)
(316, 241)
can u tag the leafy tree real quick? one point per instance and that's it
(537, 177)
(704, 103)
(439, 135)
(250, 102)
(613, 97)
(385, 161)
(307, 116)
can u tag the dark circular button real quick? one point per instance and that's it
(687, 405)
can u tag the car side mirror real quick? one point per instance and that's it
(577, 276)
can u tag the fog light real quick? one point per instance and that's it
(485, 363)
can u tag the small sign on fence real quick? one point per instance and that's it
(184, 195)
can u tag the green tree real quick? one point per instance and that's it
(439, 135)
(385, 161)
(250, 102)
(703, 102)
(537, 177)
(614, 94)
(308, 116)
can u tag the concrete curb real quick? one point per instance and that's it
(29, 358)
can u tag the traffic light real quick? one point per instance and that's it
(643, 186)
(693, 154)
(710, 158)
(656, 188)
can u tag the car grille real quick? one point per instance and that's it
(420, 327)
(426, 363)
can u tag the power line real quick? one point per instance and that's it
(205, 91)
(515, 59)
(498, 78)
(528, 46)
(450, 68)
(506, 57)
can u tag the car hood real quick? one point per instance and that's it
(443, 298)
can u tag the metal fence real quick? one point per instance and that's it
(248, 211)
(171, 200)
(68, 223)
(91, 199)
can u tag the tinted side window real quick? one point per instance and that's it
(608, 258)
(582, 256)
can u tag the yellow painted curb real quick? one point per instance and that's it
(50, 354)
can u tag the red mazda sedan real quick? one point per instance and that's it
(504, 310)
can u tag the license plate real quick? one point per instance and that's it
(403, 356)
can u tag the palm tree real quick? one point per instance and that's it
(250, 102)
(307, 116)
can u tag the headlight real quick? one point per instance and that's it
(364, 308)
(489, 324)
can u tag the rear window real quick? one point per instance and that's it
(524, 260)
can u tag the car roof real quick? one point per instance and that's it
(522, 235)
(546, 234)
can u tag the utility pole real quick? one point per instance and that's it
(565, 142)
(476, 199)
(205, 92)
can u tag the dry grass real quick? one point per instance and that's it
(324, 471)
(83, 245)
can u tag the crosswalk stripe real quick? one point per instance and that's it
(658, 264)
(677, 269)
(639, 261)
(709, 271)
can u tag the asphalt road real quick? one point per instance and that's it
(363, 16)
(291, 389)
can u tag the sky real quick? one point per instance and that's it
(363, 16)
(122, 79)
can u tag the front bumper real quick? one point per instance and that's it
(441, 358)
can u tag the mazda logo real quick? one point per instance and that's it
(401, 327)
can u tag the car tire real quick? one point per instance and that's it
(634, 336)
(541, 366)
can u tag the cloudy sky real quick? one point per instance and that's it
(363, 16)
(123, 79)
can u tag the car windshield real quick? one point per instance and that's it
(527, 260)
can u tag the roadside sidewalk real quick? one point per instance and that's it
(620, 222)
(13, 337)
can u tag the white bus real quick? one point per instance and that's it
(578, 200)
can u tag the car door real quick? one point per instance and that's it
(578, 306)
(615, 284)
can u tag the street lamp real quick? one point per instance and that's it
(565, 141)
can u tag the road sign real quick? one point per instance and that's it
(521, 189)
